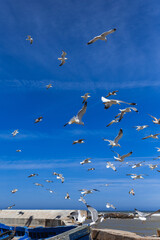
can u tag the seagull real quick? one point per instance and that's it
(158, 149)
(137, 164)
(114, 143)
(94, 214)
(132, 192)
(39, 184)
(29, 38)
(109, 102)
(63, 58)
(78, 141)
(155, 136)
(102, 36)
(110, 165)
(11, 206)
(18, 150)
(32, 175)
(78, 118)
(121, 158)
(91, 169)
(67, 196)
(49, 86)
(15, 132)
(38, 119)
(138, 128)
(59, 176)
(124, 111)
(14, 190)
(49, 181)
(81, 199)
(111, 94)
(78, 216)
(108, 205)
(144, 216)
(84, 192)
(152, 166)
(156, 158)
(156, 120)
(113, 121)
(85, 97)
(51, 191)
(87, 160)
(135, 176)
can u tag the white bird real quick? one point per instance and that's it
(91, 169)
(109, 102)
(144, 216)
(11, 206)
(85, 97)
(59, 176)
(156, 120)
(78, 118)
(49, 181)
(78, 141)
(29, 38)
(158, 149)
(138, 128)
(39, 184)
(154, 136)
(94, 214)
(87, 160)
(81, 199)
(114, 143)
(84, 192)
(38, 119)
(132, 192)
(51, 191)
(135, 176)
(152, 166)
(63, 58)
(108, 205)
(32, 175)
(18, 150)
(67, 196)
(121, 158)
(15, 132)
(113, 121)
(49, 86)
(111, 94)
(110, 165)
(137, 164)
(124, 111)
(14, 190)
(102, 36)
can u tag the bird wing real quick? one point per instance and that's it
(116, 153)
(82, 111)
(93, 40)
(108, 32)
(94, 213)
(120, 134)
(146, 137)
(127, 155)
(153, 213)
(134, 109)
(63, 54)
(152, 117)
(62, 62)
(126, 102)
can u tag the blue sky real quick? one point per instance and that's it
(128, 62)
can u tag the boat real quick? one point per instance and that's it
(51, 233)
(7, 235)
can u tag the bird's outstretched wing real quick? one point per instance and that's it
(94, 213)
(146, 137)
(93, 40)
(62, 62)
(111, 93)
(82, 111)
(133, 104)
(120, 134)
(108, 32)
(152, 117)
(128, 154)
(63, 54)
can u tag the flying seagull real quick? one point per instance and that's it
(15, 132)
(78, 216)
(135, 176)
(113, 121)
(132, 192)
(137, 164)
(67, 196)
(29, 38)
(144, 216)
(152, 166)
(111, 94)
(39, 184)
(38, 119)
(84, 192)
(156, 120)
(78, 118)
(87, 160)
(63, 58)
(121, 158)
(85, 97)
(49, 181)
(110, 165)
(51, 191)
(158, 149)
(91, 169)
(78, 141)
(155, 136)
(49, 86)
(81, 199)
(138, 128)
(102, 36)
(59, 176)
(114, 143)
(14, 190)
(124, 111)
(109, 102)
(32, 175)
(11, 206)
(108, 205)
(18, 150)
